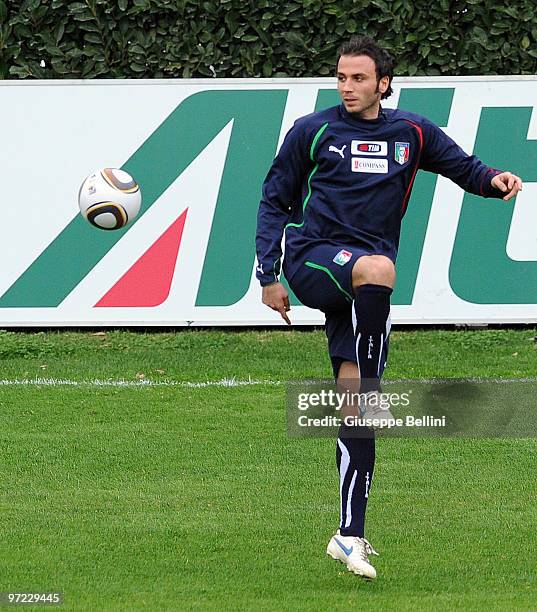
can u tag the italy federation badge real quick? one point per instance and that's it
(402, 152)
(342, 257)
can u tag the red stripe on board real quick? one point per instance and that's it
(148, 282)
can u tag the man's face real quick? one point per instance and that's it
(358, 87)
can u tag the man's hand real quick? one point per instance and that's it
(507, 182)
(275, 296)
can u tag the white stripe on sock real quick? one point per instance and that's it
(388, 330)
(349, 498)
(381, 347)
(357, 357)
(343, 467)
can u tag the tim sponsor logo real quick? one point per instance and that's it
(374, 166)
(369, 147)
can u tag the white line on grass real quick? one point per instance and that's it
(63, 382)
(233, 382)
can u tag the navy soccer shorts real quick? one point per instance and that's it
(322, 278)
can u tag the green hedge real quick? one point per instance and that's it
(241, 38)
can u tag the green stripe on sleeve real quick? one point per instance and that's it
(312, 152)
(316, 139)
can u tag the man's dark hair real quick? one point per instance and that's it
(365, 45)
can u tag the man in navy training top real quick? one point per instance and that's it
(338, 190)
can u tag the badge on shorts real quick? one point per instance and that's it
(342, 257)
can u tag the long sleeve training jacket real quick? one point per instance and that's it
(347, 181)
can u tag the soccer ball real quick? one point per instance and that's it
(109, 198)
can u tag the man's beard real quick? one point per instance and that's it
(360, 112)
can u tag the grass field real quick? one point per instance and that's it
(170, 496)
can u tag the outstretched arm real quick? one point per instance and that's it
(444, 156)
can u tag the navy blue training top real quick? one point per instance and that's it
(346, 181)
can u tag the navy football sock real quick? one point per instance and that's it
(355, 457)
(372, 309)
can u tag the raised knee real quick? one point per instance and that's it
(374, 270)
